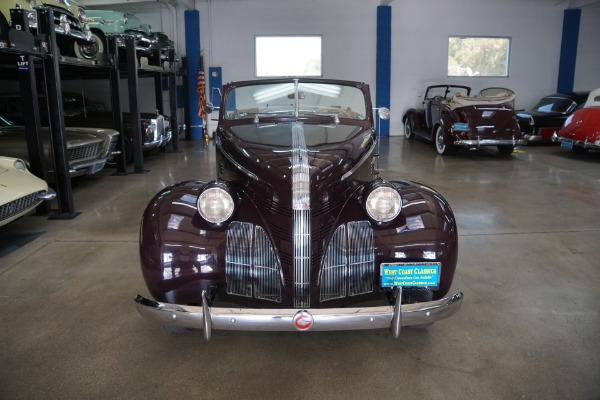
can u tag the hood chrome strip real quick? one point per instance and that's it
(301, 223)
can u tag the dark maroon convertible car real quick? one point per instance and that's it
(451, 118)
(298, 231)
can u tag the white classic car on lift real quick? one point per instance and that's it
(21, 191)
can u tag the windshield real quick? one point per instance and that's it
(269, 100)
(555, 104)
(446, 91)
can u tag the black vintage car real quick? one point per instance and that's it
(545, 119)
(297, 231)
(451, 118)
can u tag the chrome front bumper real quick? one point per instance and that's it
(584, 144)
(489, 142)
(329, 319)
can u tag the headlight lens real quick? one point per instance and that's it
(215, 205)
(383, 204)
(20, 165)
(81, 13)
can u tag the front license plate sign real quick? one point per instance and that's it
(566, 144)
(97, 167)
(410, 274)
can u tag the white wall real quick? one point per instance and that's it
(420, 30)
(587, 69)
(348, 28)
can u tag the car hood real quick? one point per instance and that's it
(16, 184)
(74, 136)
(266, 150)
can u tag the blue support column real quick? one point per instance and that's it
(192, 51)
(568, 50)
(384, 63)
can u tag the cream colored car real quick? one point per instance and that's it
(69, 21)
(20, 191)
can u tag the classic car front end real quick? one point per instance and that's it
(88, 149)
(21, 191)
(297, 231)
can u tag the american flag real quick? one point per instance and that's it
(200, 89)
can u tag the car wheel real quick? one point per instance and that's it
(408, 130)
(440, 146)
(3, 28)
(506, 150)
(89, 51)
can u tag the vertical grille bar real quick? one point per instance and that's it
(361, 258)
(238, 267)
(333, 273)
(301, 207)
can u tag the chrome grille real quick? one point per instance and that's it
(14, 207)
(266, 268)
(333, 281)
(301, 222)
(349, 263)
(251, 270)
(85, 152)
(361, 257)
(238, 267)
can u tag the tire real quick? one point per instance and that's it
(506, 150)
(441, 148)
(89, 51)
(409, 132)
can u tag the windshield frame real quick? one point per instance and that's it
(296, 109)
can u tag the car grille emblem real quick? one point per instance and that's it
(303, 320)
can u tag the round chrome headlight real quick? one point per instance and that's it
(383, 204)
(215, 205)
(81, 14)
(20, 165)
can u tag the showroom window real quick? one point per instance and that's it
(291, 55)
(478, 56)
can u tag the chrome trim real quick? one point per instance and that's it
(489, 142)
(359, 163)
(327, 319)
(301, 219)
(235, 163)
(46, 194)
